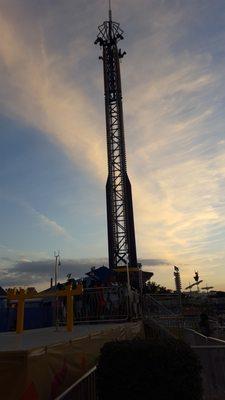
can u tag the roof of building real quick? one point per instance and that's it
(102, 274)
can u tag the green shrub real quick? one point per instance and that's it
(148, 369)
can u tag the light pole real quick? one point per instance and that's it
(140, 278)
(128, 288)
(57, 263)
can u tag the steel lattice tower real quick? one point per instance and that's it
(121, 234)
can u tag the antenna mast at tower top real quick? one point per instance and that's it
(110, 11)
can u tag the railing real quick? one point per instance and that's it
(197, 340)
(211, 353)
(155, 309)
(77, 306)
(102, 304)
(105, 304)
(218, 328)
(171, 301)
(161, 315)
(83, 389)
(191, 322)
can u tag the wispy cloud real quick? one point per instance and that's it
(47, 223)
(39, 218)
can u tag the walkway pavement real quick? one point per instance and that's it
(33, 338)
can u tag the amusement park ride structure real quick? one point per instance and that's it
(121, 233)
(176, 274)
(196, 283)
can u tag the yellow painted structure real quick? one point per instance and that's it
(20, 311)
(69, 307)
(22, 296)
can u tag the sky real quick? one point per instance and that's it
(53, 145)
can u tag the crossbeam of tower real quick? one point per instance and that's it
(121, 234)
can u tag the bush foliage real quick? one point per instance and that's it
(148, 369)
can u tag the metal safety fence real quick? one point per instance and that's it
(211, 354)
(68, 307)
(154, 310)
(103, 304)
(170, 302)
(157, 309)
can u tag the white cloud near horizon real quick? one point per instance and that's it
(39, 272)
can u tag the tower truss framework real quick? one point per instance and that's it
(121, 234)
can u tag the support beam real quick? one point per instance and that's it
(69, 307)
(20, 312)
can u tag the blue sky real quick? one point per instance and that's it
(53, 150)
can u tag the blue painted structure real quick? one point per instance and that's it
(35, 316)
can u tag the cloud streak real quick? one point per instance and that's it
(42, 220)
(49, 224)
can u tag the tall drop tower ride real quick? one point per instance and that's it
(121, 234)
